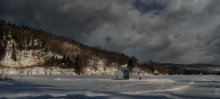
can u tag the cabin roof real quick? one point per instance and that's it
(124, 69)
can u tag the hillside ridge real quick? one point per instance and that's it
(23, 46)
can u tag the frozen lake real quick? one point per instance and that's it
(103, 87)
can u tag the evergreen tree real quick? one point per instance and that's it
(2, 22)
(130, 65)
(13, 56)
(78, 65)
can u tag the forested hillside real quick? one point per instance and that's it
(23, 46)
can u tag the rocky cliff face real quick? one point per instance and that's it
(15, 57)
(25, 47)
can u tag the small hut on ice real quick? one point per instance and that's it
(156, 72)
(122, 74)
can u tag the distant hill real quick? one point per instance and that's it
(179, 69)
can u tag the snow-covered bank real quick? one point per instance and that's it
(37, 71)
(103, 87)
(60, 71)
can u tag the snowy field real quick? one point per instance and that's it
(103, 87)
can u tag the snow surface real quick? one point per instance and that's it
(103, 87)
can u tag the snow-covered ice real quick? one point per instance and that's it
(103, 87)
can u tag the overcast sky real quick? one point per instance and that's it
(178, 31)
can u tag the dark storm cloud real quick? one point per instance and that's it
(180, 31)
(66, 17)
